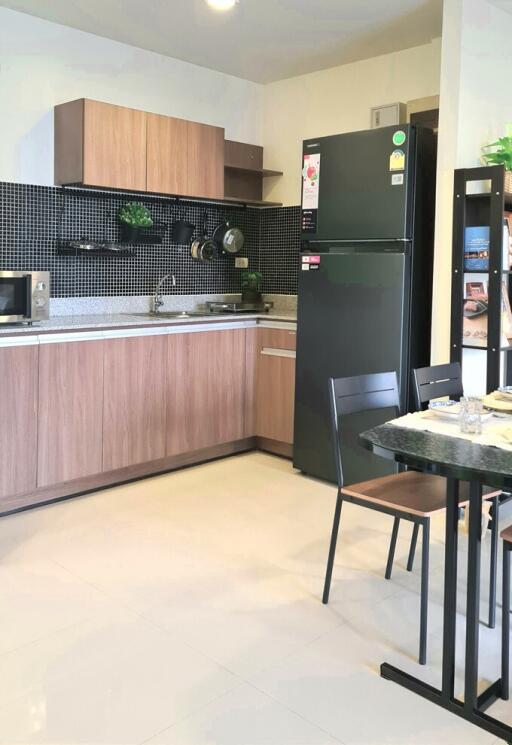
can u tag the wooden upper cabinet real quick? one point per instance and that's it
(70, 411)
(99, 144)
(18, 422)
(205, 161)
(167, 154)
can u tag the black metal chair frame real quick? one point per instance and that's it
(438, 381)
(366, 393)
(505, 623)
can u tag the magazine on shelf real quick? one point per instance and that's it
(477, 243)
(476, 314)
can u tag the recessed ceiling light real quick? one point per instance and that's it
(222, 4)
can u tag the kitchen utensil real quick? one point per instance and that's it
(228, 239)
(182, 232)
(203, 248)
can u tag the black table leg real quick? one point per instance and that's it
(473, 596)
(474, 706)
(450, 587)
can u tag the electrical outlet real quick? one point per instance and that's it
(241, 262)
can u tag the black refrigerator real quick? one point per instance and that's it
(365, 280)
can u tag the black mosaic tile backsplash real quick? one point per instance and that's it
(32, 217)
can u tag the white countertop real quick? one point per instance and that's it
(133, 320)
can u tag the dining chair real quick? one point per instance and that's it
(407, 495)
(438, 381)
(505, 614)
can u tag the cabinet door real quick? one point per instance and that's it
(275, 391)
(206, 389)
(114, 148)
(18, 420)
(70, 411)
(205, 161)
(277, 338)
(167, 154)
(134, 401)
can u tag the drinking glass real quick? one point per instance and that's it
(470, 415)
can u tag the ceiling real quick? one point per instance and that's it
(260, 40)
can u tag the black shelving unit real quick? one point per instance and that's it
(481, 209)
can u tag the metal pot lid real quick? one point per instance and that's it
(233, 240)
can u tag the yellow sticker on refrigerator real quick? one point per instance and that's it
(397, 160)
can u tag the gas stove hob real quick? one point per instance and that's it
(238, 307)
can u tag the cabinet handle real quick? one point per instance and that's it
(271, 352)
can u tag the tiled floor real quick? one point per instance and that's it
(185, 610)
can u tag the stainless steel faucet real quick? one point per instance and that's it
(158, 299)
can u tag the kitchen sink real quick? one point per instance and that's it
(172, 314)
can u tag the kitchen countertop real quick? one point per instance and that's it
(134, 320)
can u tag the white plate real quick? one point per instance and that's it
(449, 410)
(444, 409)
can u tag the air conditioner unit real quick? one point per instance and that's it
(386, 116)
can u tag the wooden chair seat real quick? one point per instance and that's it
(507, 534)
(410, 492)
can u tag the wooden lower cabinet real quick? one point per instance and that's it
(70, 411)
(275, 385)
(134, 403)
(78, 411)
(18, 420)
(205, 389)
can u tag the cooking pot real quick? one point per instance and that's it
(230, 240)
(203, 248)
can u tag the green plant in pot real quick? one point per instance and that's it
(501, 155)
(251, 287)
(134, 218)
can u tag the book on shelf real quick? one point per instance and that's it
(477, 246)
(476, 314)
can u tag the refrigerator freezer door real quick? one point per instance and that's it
(352, 318)
(357, 186)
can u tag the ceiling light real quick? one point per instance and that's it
(222, 4)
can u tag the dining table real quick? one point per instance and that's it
(418, 442)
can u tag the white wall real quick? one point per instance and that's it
(42, 64)
(338, 100)
(475, 109)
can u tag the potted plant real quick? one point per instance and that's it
(135, 219)
(251, 287)
(501, 156)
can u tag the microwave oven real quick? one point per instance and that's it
(24, 296)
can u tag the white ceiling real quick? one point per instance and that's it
(260, 40)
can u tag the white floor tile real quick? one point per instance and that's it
(136, 614)
(335, 683)
(40, 597)
(246, 716)
(116, 679)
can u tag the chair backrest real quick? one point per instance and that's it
(361, 393)
(436, 382)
